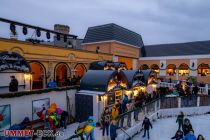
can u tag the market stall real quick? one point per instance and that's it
(99, 89)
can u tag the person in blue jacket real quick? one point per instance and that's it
(91, 123)
(190, 136)
(113, 130)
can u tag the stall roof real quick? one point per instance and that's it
(96, 80)
(147, 74)
(130, 75)
(99, 65)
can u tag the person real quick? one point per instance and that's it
(13, 85)
(180, 120)
(146, 125)
(92, 124)
(105, 120)
(115, 111)
(190, 135)
(195, 90)
(187, 126)
(51, 84)
(200, 137)
(178, 135)
(113, 130)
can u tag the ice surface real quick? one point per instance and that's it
(164, 129)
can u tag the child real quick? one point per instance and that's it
(113, 130)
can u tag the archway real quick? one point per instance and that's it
(184, 69)
(80, 70)
(38, 75)
(203, 69)
(62, 73)
(155, 68)
(171, 69)
(144, 67)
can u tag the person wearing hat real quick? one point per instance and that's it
(13, 85)
(105, 121)
(190, 135)
(91, 125)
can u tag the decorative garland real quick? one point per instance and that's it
(23, 93)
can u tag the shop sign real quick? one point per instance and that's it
(13, 61)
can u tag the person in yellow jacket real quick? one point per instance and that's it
(115, 112)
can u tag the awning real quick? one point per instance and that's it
(96, 80)
(133, 76)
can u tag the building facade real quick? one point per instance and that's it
(113, 39)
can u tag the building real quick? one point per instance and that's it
(178, 61)
(113, 39)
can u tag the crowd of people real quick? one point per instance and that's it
(185, 130)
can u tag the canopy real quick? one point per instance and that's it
(132, 76)
(96, 80)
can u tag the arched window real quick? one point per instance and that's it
(156, 68)
(80, 70)
(184, 69)
(144, 67)
(203, 69)
(62, 74)
(38, 75)
(171, 70)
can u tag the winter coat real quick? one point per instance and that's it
(189, 137)
(178, 135)
(106, 118)
(13, 86)
(115, 112)
(146, 124)
(180, 119)
(113, 131)
(186, 128)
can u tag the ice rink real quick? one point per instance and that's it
(164, 129)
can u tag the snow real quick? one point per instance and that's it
(164, 129)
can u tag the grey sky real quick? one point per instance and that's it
(158, 21)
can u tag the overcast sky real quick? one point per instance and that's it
(158, 21)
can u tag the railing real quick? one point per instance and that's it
(202, 90)
(137, 115)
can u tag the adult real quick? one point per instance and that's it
(115, 111)
(13, 85)
(195, 90)
(180, 120)
(200, 137)
(105, 120)
(146, 125)
(113, 130)
(178, 135)
(190, 136)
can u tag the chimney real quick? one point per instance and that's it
(62, 28)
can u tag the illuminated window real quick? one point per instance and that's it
(203, 69)
(184, 69)
(171, 70)
(155, 67)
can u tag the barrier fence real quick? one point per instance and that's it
(137, 115)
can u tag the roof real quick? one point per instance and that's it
(110, 32)
(130, 76)
(99, 65)
(177, 49)
(147, 74)
(96, 80)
